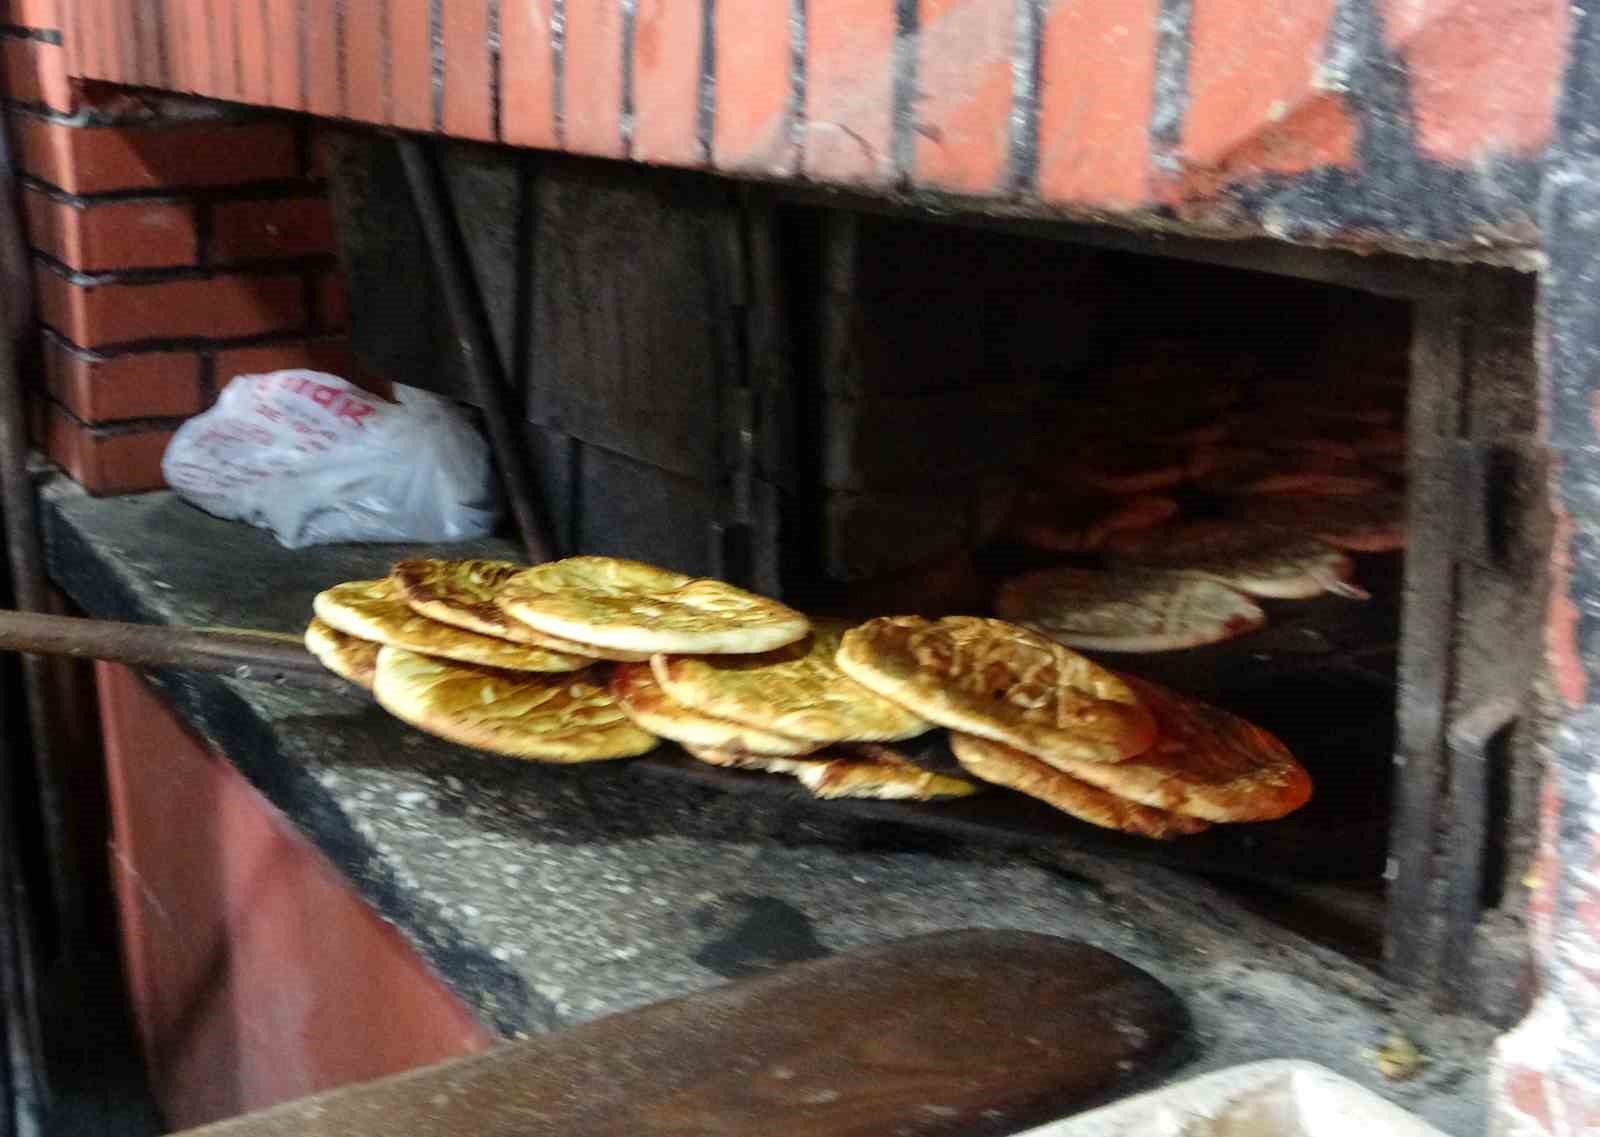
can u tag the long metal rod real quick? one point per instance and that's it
(482, 359)
(262, 656)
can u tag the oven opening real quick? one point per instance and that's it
(984, 408)
(869, 412)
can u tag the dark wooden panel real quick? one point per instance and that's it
(626, 508)
(623, 350)
(855, 1045)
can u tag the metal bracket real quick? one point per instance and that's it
(1468, 742)
(1482, 474)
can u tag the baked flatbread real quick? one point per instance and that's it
(1000, 681)
(1130, 610)
(346, 656)
(1205, 763)
(550, 718)
(1081, 525)
(1127, 470)
(461, 594)
(848, 770)
(1236, 471)
(871, 770)
(637, 607)
(634, 687)
(374, 610)
(797, 690)
(744, 760)
(1372, 523)
(1007, 766)
(1258, 559)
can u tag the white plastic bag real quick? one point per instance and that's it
(317, 460)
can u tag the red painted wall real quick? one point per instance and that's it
(258, 974)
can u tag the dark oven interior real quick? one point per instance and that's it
(877, 412)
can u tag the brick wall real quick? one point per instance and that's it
(175, 245)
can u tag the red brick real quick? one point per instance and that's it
(45, 14)
(219, 307)
(1097, 70)
(103, 158)
(364, 96)
(157, 384)
(750, 130)
(285, 227)
(526, 84)
(964, 74)
(592, 98)
(283, 33)
(333, 302)
(255, 51)
(666, 82)
(1256, 104)
(322, 59)
(112, 235)
(849, 90)
(196, 46)
(36, 72)
(175, 32)
(227, 71)
(330, 355)
(468, 112)
(1485, 78)
(410, 64)
(106, 461)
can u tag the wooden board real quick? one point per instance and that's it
(970, 1033)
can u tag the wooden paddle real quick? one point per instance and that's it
(972, 1032)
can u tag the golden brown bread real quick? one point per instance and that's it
(375, 610)
(1007, 766)
(875, 771)
(462, 593)
(1372, 523)
(848, 770)
(1261, 560)
(346, 656)
(1082, 525)
(550, 718)
(1129, 610)
(1205, 763)
(999, 681)
(635, 688)
(636, 607)
(797, 691)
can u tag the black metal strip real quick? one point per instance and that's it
(385, 62)
(238, 50)
(339, 47)
(558, 69)
(705, 111)
(163, 60)
(470, 323)
(630, 13)
(1169, 100)
(436, 59)
(128, 45)
(304, 52)
(1027, 55)
(266, 53)
(798, 16)
(903, 113)
(495, 78)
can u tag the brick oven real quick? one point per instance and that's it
(798, 294)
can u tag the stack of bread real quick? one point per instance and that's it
(593, 658)
(1254, 488)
